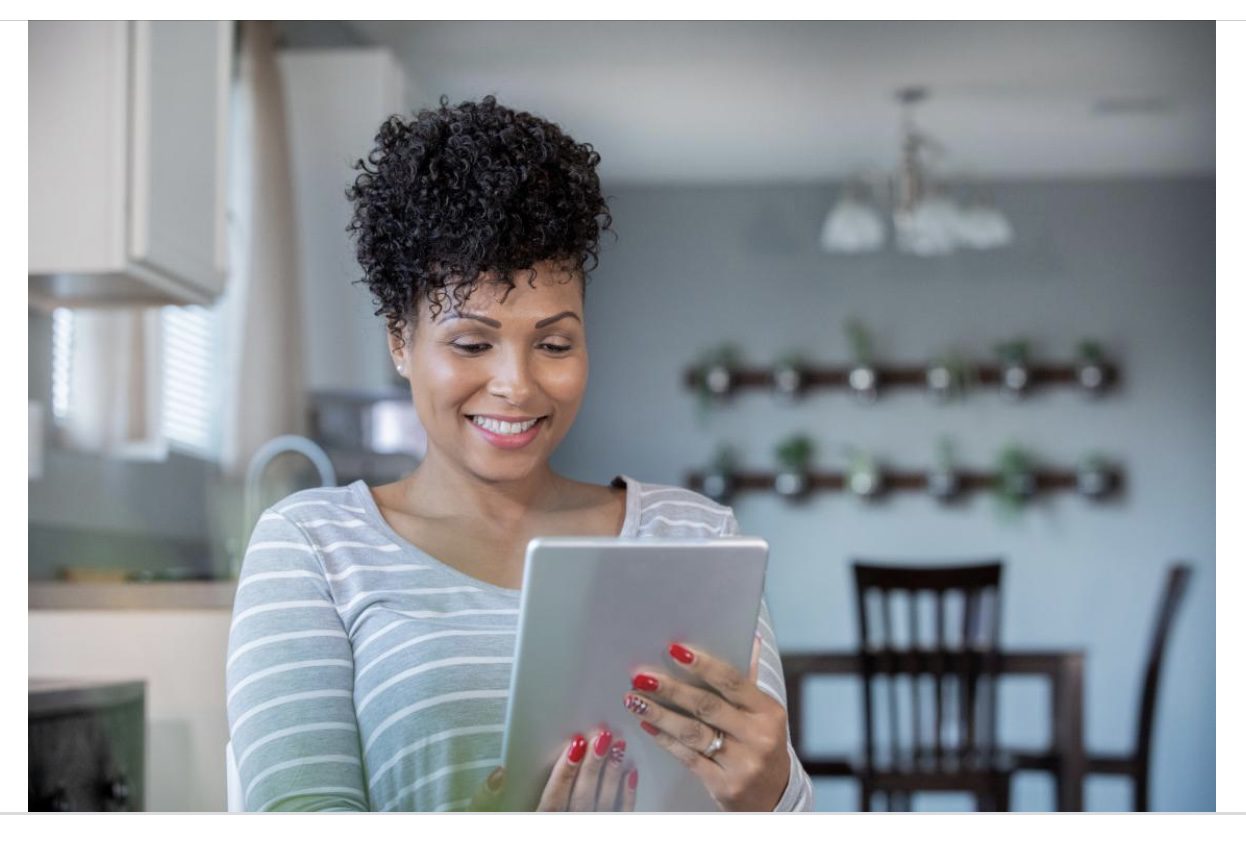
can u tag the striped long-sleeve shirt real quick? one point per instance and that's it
(365, 675)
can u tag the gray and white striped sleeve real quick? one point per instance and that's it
(289, 680)
(798, 796)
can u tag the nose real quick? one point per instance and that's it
(512, 378)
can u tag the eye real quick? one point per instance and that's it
(557, 348)
(469, 348)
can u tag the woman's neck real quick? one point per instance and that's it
(440, 491)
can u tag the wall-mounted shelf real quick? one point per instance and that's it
(908, 376)
(1107, 483)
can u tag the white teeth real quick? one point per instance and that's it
(503, 427)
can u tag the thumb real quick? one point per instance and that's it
(487, 798)
(755, 659)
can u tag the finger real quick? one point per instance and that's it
(720, 675)
(584, 791)
(489, 795)
(629, 791)
(557, 791)
(612, 777)
(683, 737)
(754, 661)
(708, 707)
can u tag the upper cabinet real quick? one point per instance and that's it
(127, 148)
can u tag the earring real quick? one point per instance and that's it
(401, 369)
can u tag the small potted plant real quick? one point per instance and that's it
(1014, 367)
(716, 376)
(719, 482)
(1092, 373)
(794, 455)
(863, 376)
(943, 482)
(1015, 482)
(1095, 476)
(864, 477)
(790, 377)
(948, 377)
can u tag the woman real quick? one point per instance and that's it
(373, 632)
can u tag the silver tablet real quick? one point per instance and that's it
(594, 609)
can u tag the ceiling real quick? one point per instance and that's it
(781, 101)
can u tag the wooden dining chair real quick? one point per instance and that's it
(930, 690)
(1136, 765)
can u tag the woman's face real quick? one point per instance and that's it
(523, 359)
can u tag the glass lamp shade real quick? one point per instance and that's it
(852, 227)
(929, 227)
(982, 227)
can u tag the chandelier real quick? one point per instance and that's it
(925, 219)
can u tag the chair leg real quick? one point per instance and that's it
(1142, 799)
(866, 796)
(1003, 793)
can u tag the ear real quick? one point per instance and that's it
(398, 353)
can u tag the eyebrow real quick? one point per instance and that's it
(495, 323)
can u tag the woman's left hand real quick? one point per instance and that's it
(749, 772)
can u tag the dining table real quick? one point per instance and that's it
(1064, 757)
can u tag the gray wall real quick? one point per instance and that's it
(1128, 262)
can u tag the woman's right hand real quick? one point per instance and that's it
(586, 778)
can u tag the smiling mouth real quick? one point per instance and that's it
(531, 425)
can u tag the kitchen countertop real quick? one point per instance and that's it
(164, 595)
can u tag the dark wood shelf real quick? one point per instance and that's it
(907, 376)
(1045, 481)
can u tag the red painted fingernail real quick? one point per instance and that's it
(649, 728)
(680, 653)
(602, 743)
(645, 683)
(579, 746)
(617, 750)
(632, 779)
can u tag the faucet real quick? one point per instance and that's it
(260, 461)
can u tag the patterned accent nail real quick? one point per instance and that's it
(602, 743)
(680, 653)
(649, 728)
(579, 746)
(632, 779)
(617, 750)
(636, 704)
(645, 683)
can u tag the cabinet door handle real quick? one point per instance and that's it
(117, 792)
(59, 800)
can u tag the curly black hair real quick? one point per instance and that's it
(464, 192)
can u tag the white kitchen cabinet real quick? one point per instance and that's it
(127, 148)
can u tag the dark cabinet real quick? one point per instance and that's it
(86, 746)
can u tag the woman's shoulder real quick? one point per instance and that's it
(672, 510)
(315, 503)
